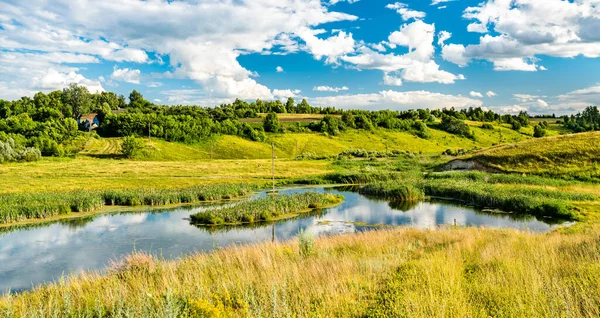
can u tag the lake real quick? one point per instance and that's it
(35, 255)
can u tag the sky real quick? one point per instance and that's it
(542, 56)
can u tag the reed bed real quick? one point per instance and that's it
(516, 199)
(394, 190)
(19, 207)
(265, 209)
(463, 272)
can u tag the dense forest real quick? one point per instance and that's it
(47, 124)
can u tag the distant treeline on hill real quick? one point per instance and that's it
(54, 123)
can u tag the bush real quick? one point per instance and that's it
(131, 146)
(487, 126)
(306, 242)
(516, 125)
(10, 152)
(456, 127)
(539, 131)
(271, 123)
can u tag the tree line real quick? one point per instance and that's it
(49, 122)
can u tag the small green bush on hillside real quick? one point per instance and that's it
(131, 146)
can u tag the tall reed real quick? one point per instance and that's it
(265, 209)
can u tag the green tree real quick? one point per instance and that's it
(516, 125)
(131, 146)
(271, 123)
(78, 98)
(289, 106)
(539, 131)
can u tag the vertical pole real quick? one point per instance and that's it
(273, 163)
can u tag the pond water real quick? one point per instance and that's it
(35, 255)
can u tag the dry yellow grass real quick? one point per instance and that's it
(464, 272)
(89, 173)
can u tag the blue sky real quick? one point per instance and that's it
(507, 55)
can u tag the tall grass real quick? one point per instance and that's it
(394, 190)
(265, 209)
(464, 272)
(517, 199)
(19, 207)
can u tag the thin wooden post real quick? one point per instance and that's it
(273, 163)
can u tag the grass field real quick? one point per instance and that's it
(101, 174)
(291, 145)
(575, 154)
(458, 272)
(464, 272)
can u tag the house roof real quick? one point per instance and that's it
(89, 117)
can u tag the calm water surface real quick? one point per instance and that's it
(31, 256)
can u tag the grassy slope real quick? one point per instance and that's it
(231, 147)
(400, 273)
(577, 153)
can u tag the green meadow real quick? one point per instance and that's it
(401, 272)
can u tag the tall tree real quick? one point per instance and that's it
(78, 98)
(289, 105)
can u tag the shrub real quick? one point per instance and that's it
(539, 131)
(271, 123)
(131, 146)
(487, 126)
(306, 242)
(456, 127)
(10, 152)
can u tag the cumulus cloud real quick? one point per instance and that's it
(330, 89)
(525, 29)
(126, 75)
(405, 12)
(279, 69)
(491, 94)
(415, 66)
(286, 93)
(475, 94)
(436, 2)
(391, 99)
(202, 39)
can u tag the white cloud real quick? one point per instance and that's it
(126, 75)
(286, 93)
(203, 39)
(396, 100)
(491, 94)
(477, 28)
(405, 12)
(154, 84)
(436, 2)
(25, 73)
(514, 64)
(525, 29)
(578, 99)
(330, 89)
(541, 103)
(331, 48)
(524, 98)
(279, 69)
(443, 36)
(475, 94)
(415, 66)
